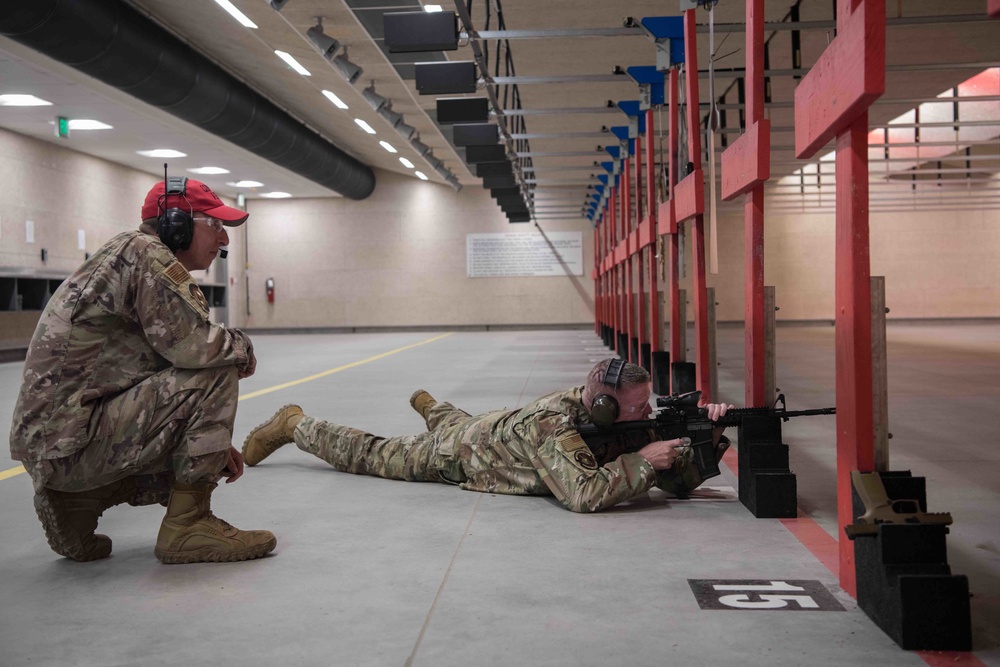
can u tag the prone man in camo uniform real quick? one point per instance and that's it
(129, 391)
(535, 450)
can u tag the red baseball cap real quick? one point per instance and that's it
(197, 198)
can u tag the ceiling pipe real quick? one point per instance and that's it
(113, 43)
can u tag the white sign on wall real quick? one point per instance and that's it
(524, 254)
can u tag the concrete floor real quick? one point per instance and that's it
(376, 572)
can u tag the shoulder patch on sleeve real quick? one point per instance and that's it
(571, 442)
(176, 273)
(577, 450)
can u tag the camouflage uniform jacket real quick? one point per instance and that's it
(130, 311)
(536, 450)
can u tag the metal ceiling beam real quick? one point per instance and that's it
(562, 135)
(481, 63)
(951, 157)
(727, 73)
(559, 33)
(535, 154)
(549, 181)
(561, 78)
(534, 112)
(882, 183)
(546, 168)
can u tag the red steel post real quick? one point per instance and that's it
(676, 353)
(753, 209)
(654, 294)
(702, 370)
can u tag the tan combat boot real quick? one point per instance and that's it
(190, 533)
(422, 402)
(70, 519)
(265, 439)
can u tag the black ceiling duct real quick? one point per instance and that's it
(112, 42)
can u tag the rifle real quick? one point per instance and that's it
(678, 416)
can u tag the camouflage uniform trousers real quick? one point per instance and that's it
(177, 423)
(426, 457)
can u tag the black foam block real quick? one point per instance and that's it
(661, 372)
(682, 377)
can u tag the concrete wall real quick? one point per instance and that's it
(936, 263)
(398, 258)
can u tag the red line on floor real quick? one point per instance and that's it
(820, 543)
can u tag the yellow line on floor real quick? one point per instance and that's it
(19, 469)
(10, 473)
(261, 392)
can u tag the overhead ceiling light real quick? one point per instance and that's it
(389, 147)
(245, 184)
(364, 126)
(162, 152)
(406, 163)
(326, 45)
(347, 69)
(84, 124)
(17, 100)
(277, 5)
(336, 100)
(292, 62)
(376, 101)
(208, 170)
(420, 175)
(236, 14)
(275, 195)
(427, 8)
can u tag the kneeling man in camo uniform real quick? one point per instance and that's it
(129, 391)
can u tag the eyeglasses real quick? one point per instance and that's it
(633, 410)
(211, 222)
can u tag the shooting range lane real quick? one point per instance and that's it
(377, 572)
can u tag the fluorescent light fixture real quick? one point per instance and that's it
(427, 8)
(420, 175)
(245, 184)
(275, 195)
(84, 124)
(17, 100)
(339, 103)
(389, 147)
(406, 163)
(209, 170)
(364, 126)
(236, 14)
(162, 152)
(292, 62)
